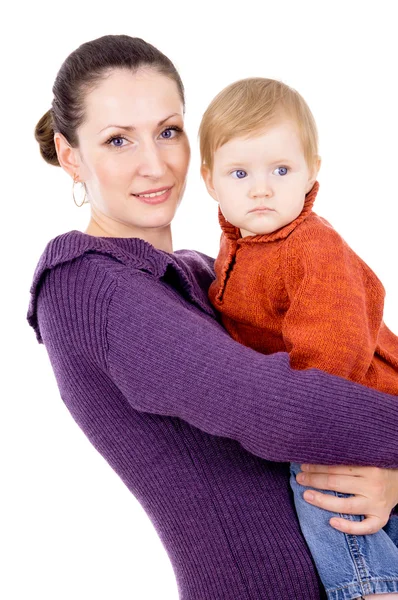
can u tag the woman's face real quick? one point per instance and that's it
(133, 153)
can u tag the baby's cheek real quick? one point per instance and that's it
(283, 219)
(233, 214)
(277, 221)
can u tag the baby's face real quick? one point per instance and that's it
(261, 182)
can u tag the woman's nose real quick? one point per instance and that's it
(150, 162)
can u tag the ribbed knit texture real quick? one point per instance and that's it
(303, 290)
(189, 418)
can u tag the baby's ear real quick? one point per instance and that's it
(208, 179)
(314, 173)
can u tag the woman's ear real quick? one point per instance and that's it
(314, 174)
(208, 179)
(68, 157)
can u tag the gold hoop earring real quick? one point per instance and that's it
(73, 192)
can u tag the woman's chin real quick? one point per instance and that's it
(161, 217)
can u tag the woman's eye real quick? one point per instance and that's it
(170, 133)
(280, 171)
(117, 141)
(239, 174)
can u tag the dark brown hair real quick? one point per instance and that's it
(81, 71)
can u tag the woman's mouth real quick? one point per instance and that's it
(154, 196)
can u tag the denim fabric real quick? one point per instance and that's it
(349, 565)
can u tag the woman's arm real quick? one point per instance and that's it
(168, 358)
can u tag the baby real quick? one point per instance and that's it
(286, 281)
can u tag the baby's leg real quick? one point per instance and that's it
(350, 567)
(392, 530)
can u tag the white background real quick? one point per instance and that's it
(70, 528)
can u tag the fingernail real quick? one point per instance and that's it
(309, 496)
(300, 477)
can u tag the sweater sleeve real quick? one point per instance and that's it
(335, 304)
(168, 358)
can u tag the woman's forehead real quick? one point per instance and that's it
(132, 99)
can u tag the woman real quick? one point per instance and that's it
(187, 417)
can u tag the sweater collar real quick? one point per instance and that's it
(189, 271)
(233, 233)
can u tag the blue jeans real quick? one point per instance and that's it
(350, 566)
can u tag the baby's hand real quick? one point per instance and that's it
(375, 494)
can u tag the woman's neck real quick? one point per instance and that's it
(159, 237)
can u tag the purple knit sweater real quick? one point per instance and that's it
(190, 419)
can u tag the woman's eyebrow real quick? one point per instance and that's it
(132, 128)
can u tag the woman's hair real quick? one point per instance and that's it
(248, 107)
(82, 71)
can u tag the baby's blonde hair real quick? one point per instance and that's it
(250, 106)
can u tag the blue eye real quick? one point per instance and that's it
(167, 134)
(282, 170)
(239, 174)
(116, 141)
(170, 132)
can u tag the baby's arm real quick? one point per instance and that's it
(336, 303)
(333, 322)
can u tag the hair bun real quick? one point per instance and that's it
(44, 134)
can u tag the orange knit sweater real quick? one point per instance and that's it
(302, 289)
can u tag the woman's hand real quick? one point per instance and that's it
(375, 493)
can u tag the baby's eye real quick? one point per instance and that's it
(239, 174)
(281, 171)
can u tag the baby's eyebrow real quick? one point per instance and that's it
(236, 163)
(243, 162)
